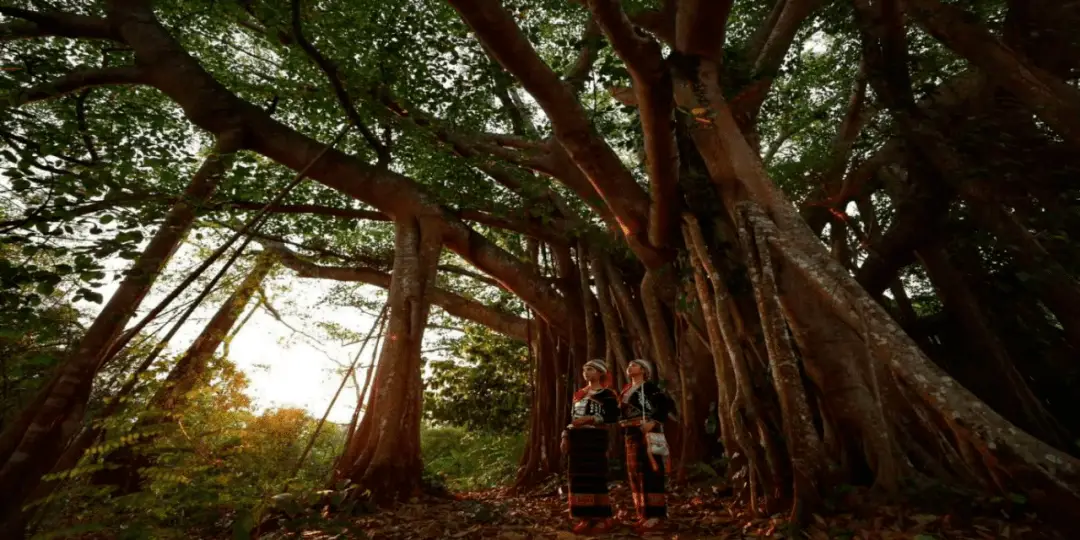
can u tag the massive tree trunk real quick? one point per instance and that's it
(384, 454)
(971, 439)
(30, 446)
(988, 371)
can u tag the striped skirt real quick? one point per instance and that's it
(588, 474)
(646, 476)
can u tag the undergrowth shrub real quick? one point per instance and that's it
(467, 460)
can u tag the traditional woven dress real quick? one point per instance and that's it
(587, 454)
(645, 401)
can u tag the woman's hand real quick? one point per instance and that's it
(564, 446)
(580, 421)
(647, 427)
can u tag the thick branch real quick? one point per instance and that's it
(212, 107)
(653, 88)
(454, 304)
(35, 24)
(660, 23)
(768, 61)
(514, 141)
(829, 183)
(496, 29)
(79, 80)
(591, 44)
(528, 227)
(700, 25)
(1051, 99)
(315, 209)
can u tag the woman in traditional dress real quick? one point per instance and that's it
(585, 441)
(643, 409)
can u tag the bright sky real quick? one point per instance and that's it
(285, 367)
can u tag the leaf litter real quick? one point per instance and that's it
(695, 513)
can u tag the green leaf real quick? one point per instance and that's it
(243, 524)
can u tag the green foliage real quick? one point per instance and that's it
(217, 461)
(465, 459)
(483, 386)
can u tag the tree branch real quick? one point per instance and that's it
(514, 141)
(499, 33)
(84, 129)
(528, 227)
(654, 91)
(34, 24)
(660, 23)
(591, 43)
(828, 185)
(79, 80)
(211, 106)
(1051, 99)
(700, 27)
(314, 209)
(454, 304)
(331, 71)
(775, 47)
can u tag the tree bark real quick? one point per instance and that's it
(542, 457)
(387, 443)
(190, 370)
(804, 445)
(610, 318)
(994, 376)
(897, 365)
(632, 313)
(588, 304)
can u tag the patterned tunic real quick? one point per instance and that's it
(600, 405)
(648, 400)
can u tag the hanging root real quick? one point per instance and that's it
(805, 450)
(737, 409)
(975, 441)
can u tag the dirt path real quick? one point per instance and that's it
(696, 514)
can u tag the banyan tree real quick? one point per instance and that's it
(843, 226)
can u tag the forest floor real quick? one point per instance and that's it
(699, 513)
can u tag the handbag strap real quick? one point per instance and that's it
(642, 399)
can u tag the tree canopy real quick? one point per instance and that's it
(843, 225)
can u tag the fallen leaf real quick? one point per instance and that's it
(924, 519)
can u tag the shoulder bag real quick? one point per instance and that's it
(656, 442)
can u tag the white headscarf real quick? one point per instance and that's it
(646, 365)
(598, 365)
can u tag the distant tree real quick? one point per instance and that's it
(484, 385)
